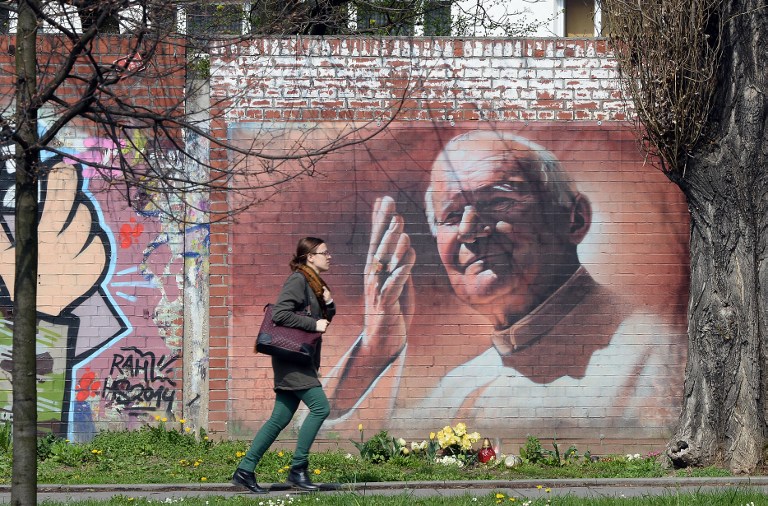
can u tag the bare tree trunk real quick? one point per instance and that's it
(724, 411)
(24, 481)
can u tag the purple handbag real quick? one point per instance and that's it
(286, 343)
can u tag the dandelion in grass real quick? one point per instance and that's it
(203, 479)
(280, 453)
(317, 471)
(499, 496)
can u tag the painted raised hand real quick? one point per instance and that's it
(388, 283)
(72, 257)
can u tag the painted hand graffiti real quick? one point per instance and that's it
(66, 238)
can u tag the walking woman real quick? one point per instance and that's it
(294, 382)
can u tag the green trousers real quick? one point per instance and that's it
(286, 404)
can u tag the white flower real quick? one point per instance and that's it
(450, 460)
(348, 456)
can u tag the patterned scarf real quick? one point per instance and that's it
(316, 283)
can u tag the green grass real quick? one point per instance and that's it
(735, 497)
(162, 455)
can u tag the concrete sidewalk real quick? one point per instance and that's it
(528, 489)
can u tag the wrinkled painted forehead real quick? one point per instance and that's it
(466, 160)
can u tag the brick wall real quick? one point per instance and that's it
(394, 104)
(423, 79)
(369, 118)
(111, 290)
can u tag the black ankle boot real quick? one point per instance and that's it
(299, 478)
(243, 478)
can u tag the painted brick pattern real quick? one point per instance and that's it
(110, 292)
(422, 86)
(430, 89)
(419, 79)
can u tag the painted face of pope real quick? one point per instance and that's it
(507, 221)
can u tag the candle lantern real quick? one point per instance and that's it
(486, 453)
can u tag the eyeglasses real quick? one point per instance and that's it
(326, 253)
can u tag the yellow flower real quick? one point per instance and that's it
(360, 427)
(539, 487)
(163, 419)
(157, 418)
(431, 435)
(198, 463)
(317, 471)
(187, 429)
(512, 499)
(499, 496)
(460, 429)
(203, 479)
(181, 420)
(280, 453)
(206, 438)
(547, 490)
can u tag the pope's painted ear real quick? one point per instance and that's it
(580, 219)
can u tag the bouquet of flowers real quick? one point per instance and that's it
(455, 441)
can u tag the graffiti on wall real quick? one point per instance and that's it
(109, 297)
(140, 381)
(521, 279)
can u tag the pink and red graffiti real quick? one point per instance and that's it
(87, 386)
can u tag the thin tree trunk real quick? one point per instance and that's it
(24, 481)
